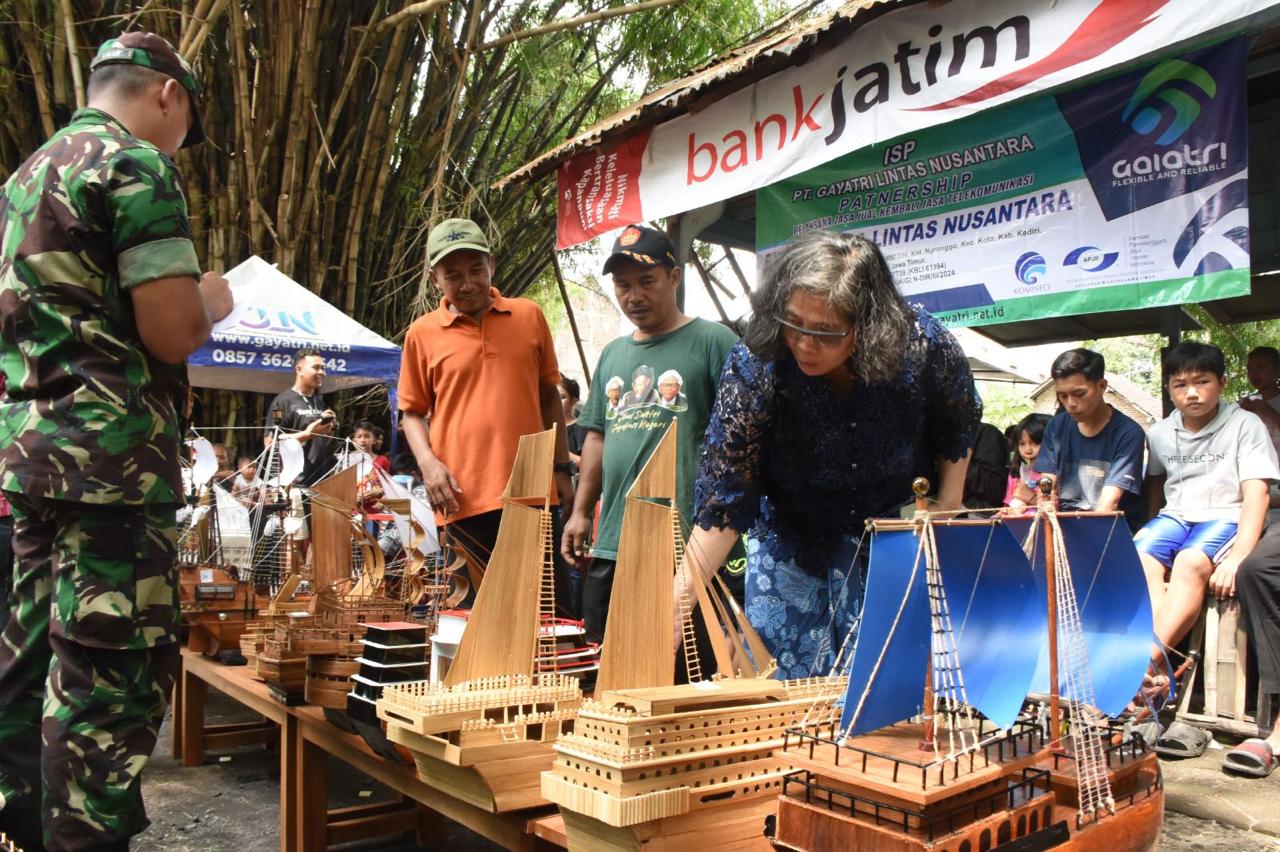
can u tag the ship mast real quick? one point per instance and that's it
(920, 487)
(1050, 577)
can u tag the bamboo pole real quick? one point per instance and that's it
(77, 76)
(573, 321)
(601, 15)
(1050, 579)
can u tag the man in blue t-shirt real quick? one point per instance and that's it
(1091, 450)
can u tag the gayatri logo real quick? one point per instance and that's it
(1030, 267)
(1165, 102)
(1160, 85)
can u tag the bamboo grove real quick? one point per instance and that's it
(339, 129)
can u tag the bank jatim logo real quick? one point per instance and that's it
(1169, 99)
(1030, 268)
(1090, 258)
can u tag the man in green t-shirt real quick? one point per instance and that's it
(671, 365)
(101, 301)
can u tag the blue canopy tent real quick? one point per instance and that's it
(274, 316)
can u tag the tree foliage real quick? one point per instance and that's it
(339, 131)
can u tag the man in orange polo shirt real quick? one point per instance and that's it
(477, 373)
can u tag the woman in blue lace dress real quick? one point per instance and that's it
(838, 396)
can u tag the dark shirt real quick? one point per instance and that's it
(576, 435)
(297, 413)
(1084, 466)
(988, 475)
(802, 467)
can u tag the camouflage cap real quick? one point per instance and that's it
(151, 51)
(452, 235)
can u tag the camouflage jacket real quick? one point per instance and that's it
(89, 416)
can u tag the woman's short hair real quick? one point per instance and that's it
(851, 273)
(570, 386)
(1034, 425)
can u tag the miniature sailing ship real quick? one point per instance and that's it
(948, 608)
(217, 600)
(485, 731)
(665, 766)
(312, 654)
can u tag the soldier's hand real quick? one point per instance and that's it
(442, 489)
(216, 293)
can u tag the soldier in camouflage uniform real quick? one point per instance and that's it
(101, 301)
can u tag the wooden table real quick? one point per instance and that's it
(306, 740)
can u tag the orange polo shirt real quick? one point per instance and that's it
(477, 383)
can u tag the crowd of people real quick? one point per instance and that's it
(838, 394)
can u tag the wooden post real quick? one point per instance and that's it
(1050, 574)
(920, 487)
(706, 280)
(573, 321)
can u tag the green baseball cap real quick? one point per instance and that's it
(454, 234)
(151, 51)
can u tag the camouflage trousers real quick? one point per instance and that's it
(87, 662)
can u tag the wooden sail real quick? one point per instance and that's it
(502, 632)
(331, 510)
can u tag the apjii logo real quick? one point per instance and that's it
(1090, 258)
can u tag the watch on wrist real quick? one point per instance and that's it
(563, 467)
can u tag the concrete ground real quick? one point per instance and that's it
(232, 803)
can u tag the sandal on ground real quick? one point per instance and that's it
(1183, 740)
(1252, 757)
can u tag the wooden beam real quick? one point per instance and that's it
(737, 270)
(706, 280)
(573, 321)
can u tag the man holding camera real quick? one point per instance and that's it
(300, 413)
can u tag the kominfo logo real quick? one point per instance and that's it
(1165, 100)
(1091, 258)
(1030, 268)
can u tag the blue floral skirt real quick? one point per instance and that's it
(803, 619)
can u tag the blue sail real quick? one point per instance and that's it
(997, 611)
(886, 678)
(1115, 608)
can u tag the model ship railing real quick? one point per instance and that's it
(1135, 748)
(1034, 783)
(978, 758)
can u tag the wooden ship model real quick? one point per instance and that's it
(659, 765)
(217, 600)
(310, 654)
(934, 746)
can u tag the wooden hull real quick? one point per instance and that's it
(329, 681)
(735, 825)
(498, 778)
(878, 804)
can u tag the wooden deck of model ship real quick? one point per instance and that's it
(877, 791)
(217, 604)
(485, 732)
(952, 780)
(660, 765)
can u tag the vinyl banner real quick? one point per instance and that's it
(912, 68)
(1130, 192)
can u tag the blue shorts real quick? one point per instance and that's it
(1163, 536)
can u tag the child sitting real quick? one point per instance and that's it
(247, 487)
(1028, 435)
(1209, 465)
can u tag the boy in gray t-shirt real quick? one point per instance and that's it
(1210, 464)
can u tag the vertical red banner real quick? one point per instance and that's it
(599, 191)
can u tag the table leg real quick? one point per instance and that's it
(194, 691)
(312, 796)
(290, 740)
(176, 725)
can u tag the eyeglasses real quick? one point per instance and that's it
(826, 339)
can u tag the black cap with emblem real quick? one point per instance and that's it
(643, 245)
